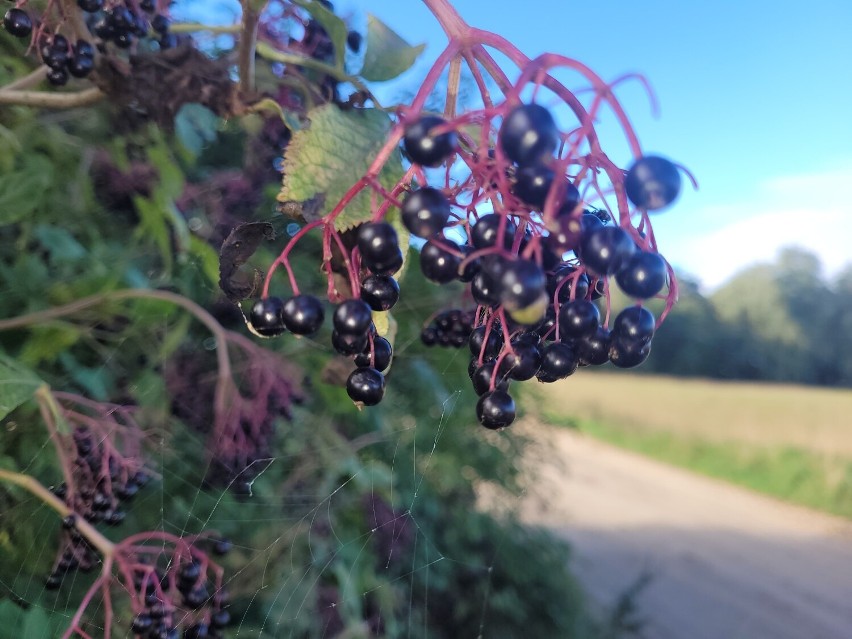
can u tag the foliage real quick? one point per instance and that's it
(778, 322)
(350, 511)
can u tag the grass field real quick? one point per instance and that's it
(791, 442)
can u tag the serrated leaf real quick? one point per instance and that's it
(333, 25)
(196, 126)
(17, 385)
(387, 54)
(333, 154)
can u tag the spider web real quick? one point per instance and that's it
(300, 566)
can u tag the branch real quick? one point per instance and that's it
(29, 80)
(192, 27)
(33, 486)
(51, 100)
(248, 41)
(275, 55)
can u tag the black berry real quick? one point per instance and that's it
(381, 292)
(529, 134)
(366, 386)
(486, 231)
(18, 22)
(643, 275)
(558, 361)
(352, 317)
(533, 184)
(578, 319)
(438, 264)
(426, 148)
(652, 182)
(495, 409)
(606, 250)
(425, 212)
(383, 353)
(303, 314)
(266, 316)
(377, 242)
(522, 283)
(90, 6)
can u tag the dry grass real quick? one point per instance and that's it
(763, 415)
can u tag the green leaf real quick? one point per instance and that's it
(331, 155)
(387, 55)
(17, 385)
(196, 126)
(59, 243)
(47, 342)
(22, 192)
(333, 25)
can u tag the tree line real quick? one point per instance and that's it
(784, 321)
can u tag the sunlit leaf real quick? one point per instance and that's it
(387, 54)
(332, 154)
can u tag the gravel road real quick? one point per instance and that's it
(725, 563)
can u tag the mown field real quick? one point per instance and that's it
(792, 442)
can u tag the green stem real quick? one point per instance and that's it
(192, 27)
(33, 486)
(275, 55)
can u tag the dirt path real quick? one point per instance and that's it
(726, 563)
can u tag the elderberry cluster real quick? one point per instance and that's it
(450, 328)
(103, 482)
(183, 585)
(534, 274)
(119, 24)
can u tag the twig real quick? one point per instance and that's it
(247, 44)
(28, 81)
(32, 485)
(51, 100)
(270, 53)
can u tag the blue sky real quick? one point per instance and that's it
(755, 98)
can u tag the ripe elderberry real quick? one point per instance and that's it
(606, 250)
(558, 361)
(522, 283)
(529, 134)
(425, 212)
(578, 319)
(533, 184)
(366, 386)
(266, 316)
(482, 376)
(438, 264)
(379, 247)
(495, 409)
(303, 314)
(594, 349)
(352, 317)
(383, 354)
(652, 183)
(18, 22)
(643, 275)
(381, 292)
(486, 231)
(426, 148)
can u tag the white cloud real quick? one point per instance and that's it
(812, 211)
